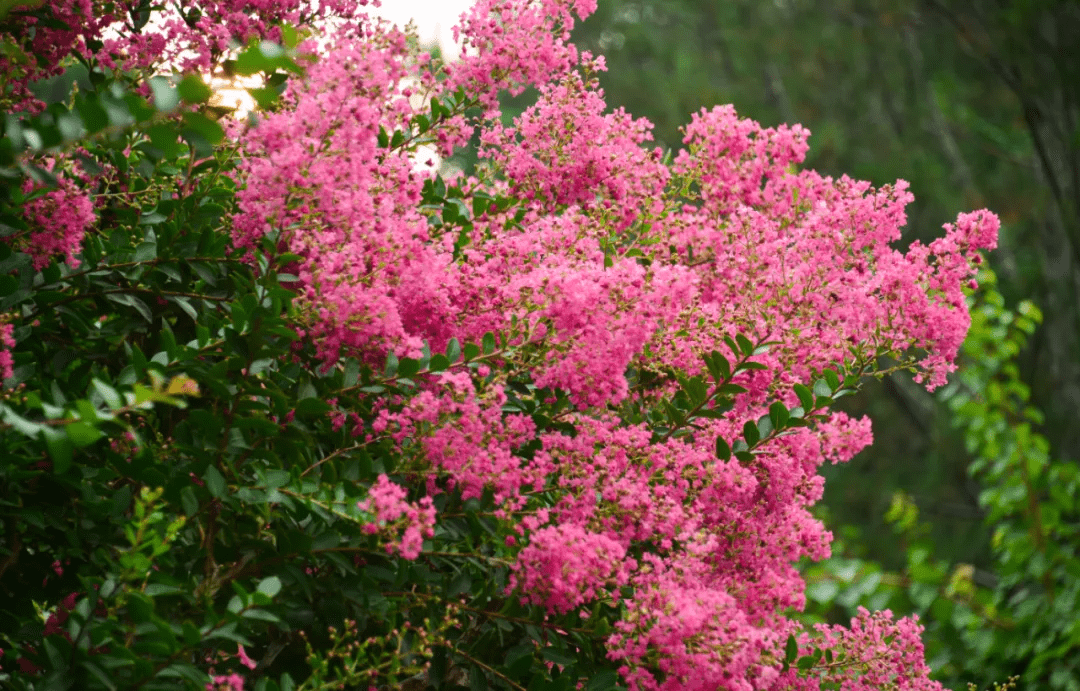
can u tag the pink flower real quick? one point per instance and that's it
(222, 682)
(243, 657)
(7, 342)
(58, 219)
(395, 516)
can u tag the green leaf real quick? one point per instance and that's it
(290, 36)
(61, 449)
(151, 218)
(822, 388)
(832, 378)
(488, 343)
(270, 586)
(146, 251)
(764, 426)
(439, 362)
(408, 367)
(718, 365)
(461, 584)
(189, 501)
(806, 398)
(28, 428)
(778, 413)
(604, 680)
(204, 127)
(744, 344)
(723, 451)
(519, 658)
(453, 350)
(732, 345)
(351, 374)
(764, 347)
(108, 394)
(750, 433)
(791, 649)
(392, 364)
(185, 305)
(82, 433)
(193, 90)
(261, 615)
(215, 481)
(265, 96)
(186, 671)
(477, 680)
(557, 656)
(271, 50)
(696, 390)
(674, 415)
(100, 674)
(276, 478)
(92, 113)
(166, 97)
(131, 301)
(823, 591)
(311, 407)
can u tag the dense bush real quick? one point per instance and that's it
(285, 406)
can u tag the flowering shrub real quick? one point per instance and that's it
(282, 387)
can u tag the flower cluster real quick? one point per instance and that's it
(514, 44)
(605, 276)
(58, 218)
(874, 652)
(7, 342)
(393, 514)
(371, 279)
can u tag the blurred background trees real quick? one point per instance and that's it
(975, 103)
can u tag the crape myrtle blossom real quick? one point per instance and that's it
(887, 654)
(393, 514)
(58, 218)
(370, 270)
(604, 276)
(7, 342)
(513, 45)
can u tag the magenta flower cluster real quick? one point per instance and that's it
(609, 261)
(58, 218)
